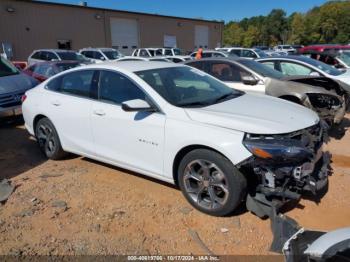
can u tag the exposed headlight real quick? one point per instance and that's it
(286, 150)
(323, 100)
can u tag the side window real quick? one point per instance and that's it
(51, 56)
(97, 55)
(206, 55)
(269, 64)
(293, 69)
(88, 54)
(168, 52)
(36, 55)
(227, 72)
(117, 89)
(249, 54)
(198, 65)
(143, 53)
(43, 56)
(54, 84)
(236, 52)
(218, 55)
(77, 83)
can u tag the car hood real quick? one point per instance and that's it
(14, 83)
(257, 114)
(345, 78)
(287, 86)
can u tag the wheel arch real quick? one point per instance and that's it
(185, 150)
(36, 120)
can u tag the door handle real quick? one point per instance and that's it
(99, 112)
(56, 103)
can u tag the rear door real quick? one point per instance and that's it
(129, 139)
(69, 108)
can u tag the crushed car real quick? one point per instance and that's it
(322, 95)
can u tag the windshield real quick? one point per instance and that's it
(112, 55)
(322, 66)
(261, 69)
(72, 56)
(6, 68)
(187, 87)
(345, 57)
(286, 47)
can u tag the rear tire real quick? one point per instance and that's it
(211, 183)
(48, 139)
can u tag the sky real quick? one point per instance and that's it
(226, 10)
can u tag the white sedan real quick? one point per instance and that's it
(180, 125)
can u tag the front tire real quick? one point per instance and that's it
(211, 183)
(48, 139)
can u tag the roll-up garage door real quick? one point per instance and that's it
(201, 36)
(124, 34)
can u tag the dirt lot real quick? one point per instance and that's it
(79, 206)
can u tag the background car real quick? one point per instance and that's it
(44, 70)
(101, 54)
(252, 77)
(339, 59)
(13, 85)
(250, 53)
(44, 55)
(285, 48)
(304, 66)
(179, 125)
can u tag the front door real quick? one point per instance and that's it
(129, 139)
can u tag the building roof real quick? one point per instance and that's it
(116, 10)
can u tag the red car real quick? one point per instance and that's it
(322, 48)
(44, 70)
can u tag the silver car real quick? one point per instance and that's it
(13, 85)
(324, 96)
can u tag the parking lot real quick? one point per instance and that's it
(79, 206)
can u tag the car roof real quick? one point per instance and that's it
(54, 50)
(97, 48)
(133, 66)
(287, 57)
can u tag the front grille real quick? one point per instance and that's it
(11, 99)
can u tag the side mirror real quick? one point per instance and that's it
(250, 80)
(315, 74)
(102, 58)
(137, 105)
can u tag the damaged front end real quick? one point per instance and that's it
(330, 108)
(283, 167)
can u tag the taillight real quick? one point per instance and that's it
(23, 98)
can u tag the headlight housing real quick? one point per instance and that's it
(284, 150)
(323, 100)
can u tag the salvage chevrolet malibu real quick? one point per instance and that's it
(180, 125)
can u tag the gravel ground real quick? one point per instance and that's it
(79, 206)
